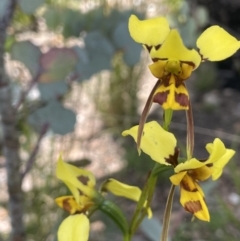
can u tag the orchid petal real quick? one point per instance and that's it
(150, 32)
(123, 190)
(189, 165)
(177, 178)
(172, 96)
(173, 48)
(194, 203)
(74, 228)
(192, 198)
(218, 161)
(156, 142)
(201, 173)
(76, 179)
(216, 44)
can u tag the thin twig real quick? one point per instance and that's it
(26, 92)
(10, 135)
(32, 157)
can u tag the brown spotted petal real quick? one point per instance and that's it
(171, 94)
(192, 198)
(79, 181)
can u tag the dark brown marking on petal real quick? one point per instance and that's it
(161, 97)
(166, 80)
(189, 63)
(148, 47)
(209, 165)
(203, 59)
(173, 159)
(178, 81)
(202, 160)
(80, 193)
(66, 206)
(193, 173)
(193, 206)
(157, 47)
(185, 185)
(182, 99)
(157, 59)
(83, 179)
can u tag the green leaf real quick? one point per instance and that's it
(124, 42)
(52, 90)
(57, 64)
(27, 53)
(60, 119)
(30, 6)
(115, 213)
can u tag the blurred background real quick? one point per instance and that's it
(80, 80)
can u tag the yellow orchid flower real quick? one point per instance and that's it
(76, 226)
(187, 174)
(82, 183)
(173, 62)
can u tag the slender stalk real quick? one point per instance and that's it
(167, 215)
(10, 135)
(32, 157)
(190, 131)
(144, 115)
(126, 238)
(140, 205)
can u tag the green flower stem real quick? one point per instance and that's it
(140, 205)
(167, 215)
(167, 118)
(126, 238)
(149, 187)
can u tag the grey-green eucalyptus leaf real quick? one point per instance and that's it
(52, 90)
(60, 119)
(30, 6)
(27, 53)
(123, 42)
